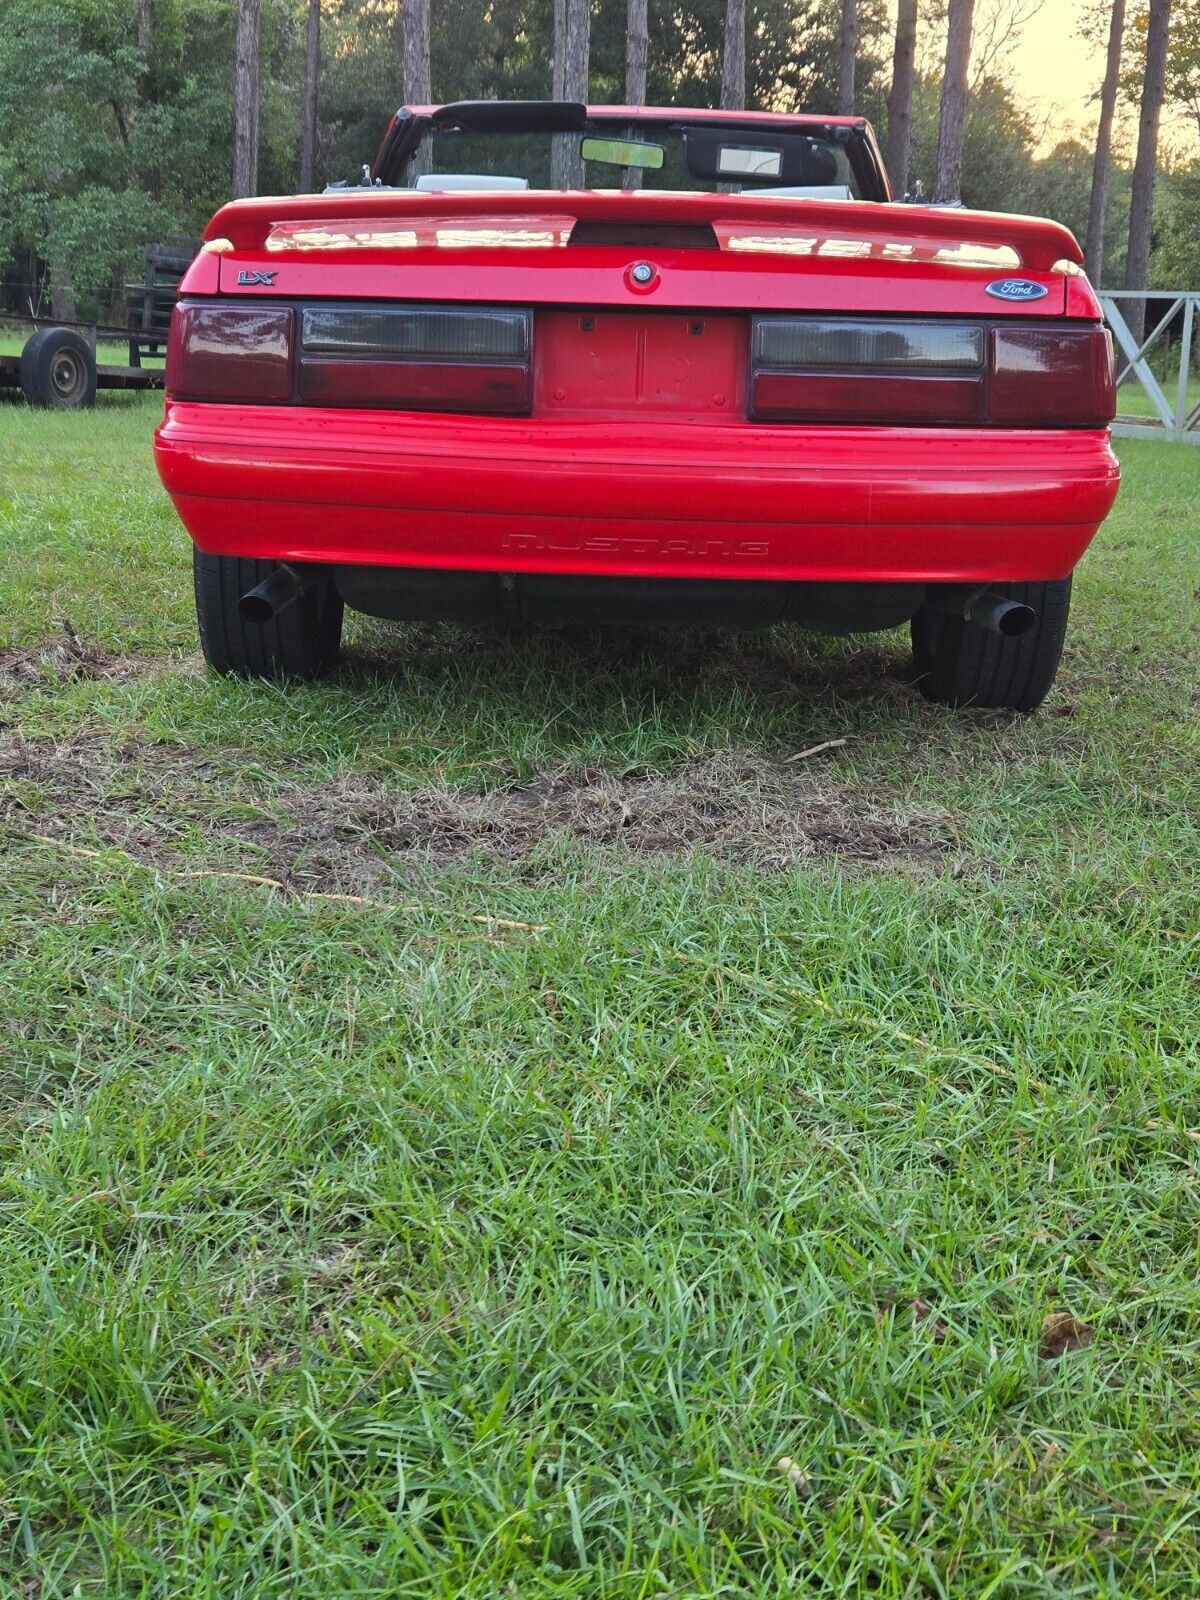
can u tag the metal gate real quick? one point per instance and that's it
(1155, 412)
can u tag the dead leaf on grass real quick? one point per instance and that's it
(923, 1312)
(1061, 1333)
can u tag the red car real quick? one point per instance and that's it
(638, 365)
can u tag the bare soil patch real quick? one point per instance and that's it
(741, 811)
(67, 659)
(351, 834)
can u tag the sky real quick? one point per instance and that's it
(1056, 75)
(1055, 71)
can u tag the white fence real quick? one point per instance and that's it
(1166, 416)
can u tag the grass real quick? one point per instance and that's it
(109, 352)
(703, 1236)
(1133, 402)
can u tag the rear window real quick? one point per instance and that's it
(654, 154)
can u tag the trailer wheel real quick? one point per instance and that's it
(58, 370)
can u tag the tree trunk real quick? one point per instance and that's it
(577, 54)
(62, 299)
(145, 27)
(558, 49)
(1098, 202)
(847, 52)
(572, 47)
(899, 106)
(144, 23)
(952, 114)
(637, 51)
(1141, 203)
(416, 75)
(733, 57)
(245, 100)
(312, 69)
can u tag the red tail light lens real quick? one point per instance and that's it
(1052, 376)
(219, 352)
(829, 369)
(417, 385)
(873, 397)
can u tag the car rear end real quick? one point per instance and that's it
(639, 406)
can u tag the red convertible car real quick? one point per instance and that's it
(629, 365)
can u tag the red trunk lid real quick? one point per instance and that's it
(771, 254)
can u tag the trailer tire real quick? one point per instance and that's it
(58, 370)
(302, 641)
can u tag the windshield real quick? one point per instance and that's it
(654, 153)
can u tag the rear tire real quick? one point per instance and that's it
(959, 663)
(302, 641)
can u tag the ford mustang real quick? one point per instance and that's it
(582, 365)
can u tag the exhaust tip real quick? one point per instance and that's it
(984, 608)
(267, 599)
(254, 607)
(1014, 619)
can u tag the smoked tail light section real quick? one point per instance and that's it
(417, 358)
(420, 358)
(922, 373)
(1049, 376)
(222, 352)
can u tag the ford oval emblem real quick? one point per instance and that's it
(1020, 289)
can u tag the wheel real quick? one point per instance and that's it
(959, 663)
(301, 641)
(58, 370)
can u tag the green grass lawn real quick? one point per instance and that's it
(1133, 402)
(109, 352)
(489, 1126)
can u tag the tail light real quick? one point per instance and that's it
(220, 352)
(426, 358)
(1052, 375)
(808, 369)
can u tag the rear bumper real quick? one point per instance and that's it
(609, 497)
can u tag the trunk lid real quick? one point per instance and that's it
(714, 252)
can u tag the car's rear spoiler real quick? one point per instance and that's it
(1040, 244)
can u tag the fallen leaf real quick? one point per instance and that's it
(923, 1312)
(1062, 1332)
(794, 1474)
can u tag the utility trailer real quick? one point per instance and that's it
(58, 366)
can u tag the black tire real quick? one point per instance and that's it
(959, 663)
(302, 641)
(58, 370)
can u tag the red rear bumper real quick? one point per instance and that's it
(732, 500)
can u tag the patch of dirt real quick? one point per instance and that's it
(741, 812)
(350, 835)
(1061, 1333)
(65, 660)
